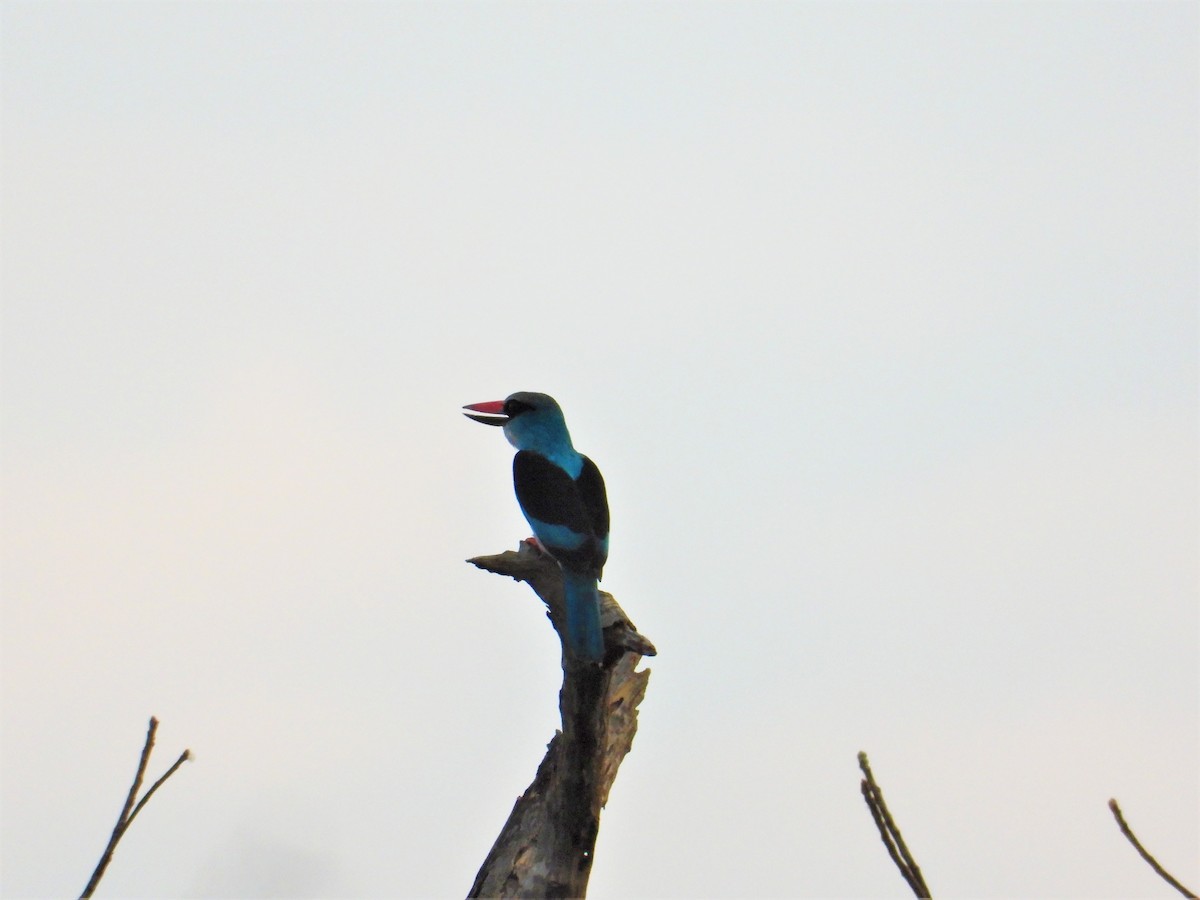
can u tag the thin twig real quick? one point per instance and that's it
(889, 832)
(1137, 845)
(873, 806)
(119, 828)
(132, 806)
(894, 831)
(183, 757)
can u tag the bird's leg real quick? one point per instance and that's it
(536, 545)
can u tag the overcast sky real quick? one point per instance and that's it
(880, 320)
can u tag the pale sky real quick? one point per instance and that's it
(880, 320)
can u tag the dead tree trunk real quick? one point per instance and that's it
(545, 848)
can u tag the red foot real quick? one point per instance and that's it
(536, 545)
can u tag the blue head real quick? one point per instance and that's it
(534, 422)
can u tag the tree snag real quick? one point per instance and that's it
(545, 849)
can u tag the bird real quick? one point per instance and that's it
(561, 493)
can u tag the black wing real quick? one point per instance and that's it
(550, 496)
(595, 501)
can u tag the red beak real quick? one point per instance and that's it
(494, 407)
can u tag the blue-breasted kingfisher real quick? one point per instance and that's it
(561, 493)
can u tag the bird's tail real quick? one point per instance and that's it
(585, 638)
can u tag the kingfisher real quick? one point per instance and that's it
(561, 493)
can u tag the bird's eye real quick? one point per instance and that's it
(515, 407)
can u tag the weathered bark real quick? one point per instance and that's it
(546, 847)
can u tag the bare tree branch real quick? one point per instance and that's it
(183, 757)
(1137, 845)
(889, 832)
(545, 849)
(132, 806)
